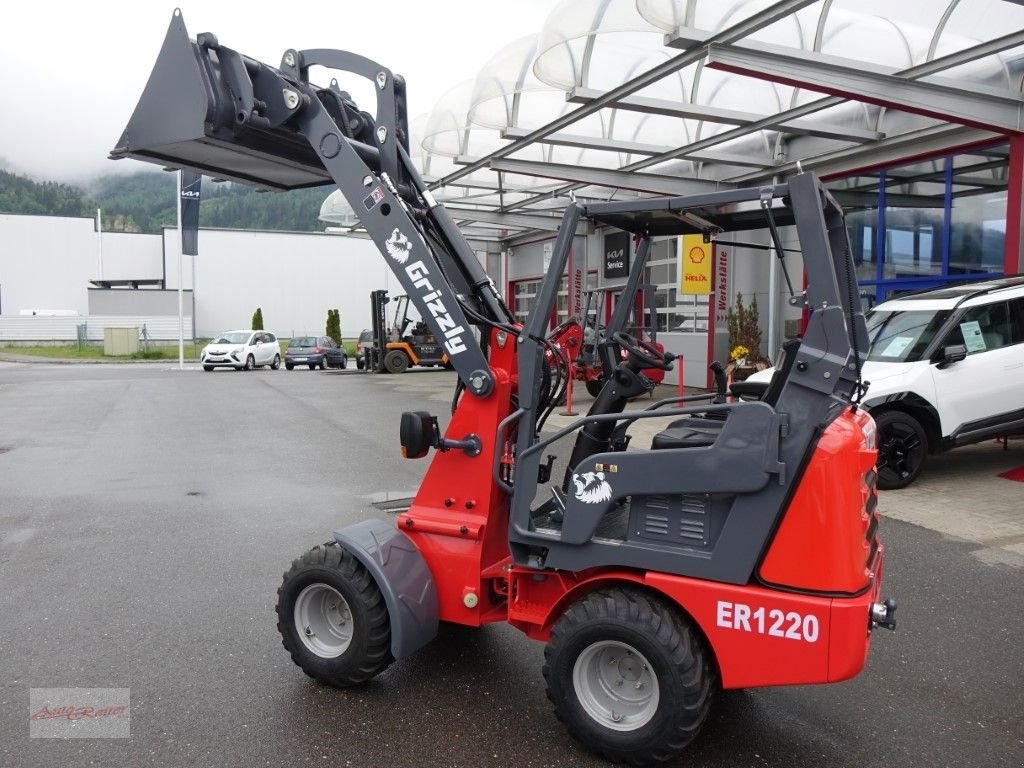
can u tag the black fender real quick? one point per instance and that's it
(403, 577)
(916, 406)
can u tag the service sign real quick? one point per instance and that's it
(696, 259)
(616, 254)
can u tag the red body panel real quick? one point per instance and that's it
(815, 548)
(760, 636)
(459, 518)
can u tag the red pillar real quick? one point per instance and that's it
(1013, 255)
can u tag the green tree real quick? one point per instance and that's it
(257, 319)
(334, 324)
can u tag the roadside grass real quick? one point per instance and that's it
(95, 352)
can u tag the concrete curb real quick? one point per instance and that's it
(9, 358)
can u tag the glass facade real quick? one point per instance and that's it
(927, 223)
(524, 294)
(675, 312)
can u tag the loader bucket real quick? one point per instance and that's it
(189, 117)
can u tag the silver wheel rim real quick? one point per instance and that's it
(323, 621)
(615, 685)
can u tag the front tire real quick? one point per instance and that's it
(344, 362)
(902, 448)
(276, 364)
(250, 363)
(332, 618)
(396, 361)
(323, 363)
(629, 676)
(207, 367)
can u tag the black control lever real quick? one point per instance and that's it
(419, 432)
(470, 444)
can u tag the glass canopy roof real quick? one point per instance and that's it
(620, 98)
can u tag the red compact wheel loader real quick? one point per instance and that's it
(740, 549)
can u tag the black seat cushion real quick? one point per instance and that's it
(688, 433)
(695, 432)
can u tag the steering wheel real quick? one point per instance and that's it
(644, 351)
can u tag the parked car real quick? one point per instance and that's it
(316, 352)
(945, 368)
(242, 350)
(362, 344)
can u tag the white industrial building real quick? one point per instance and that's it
(66, 273)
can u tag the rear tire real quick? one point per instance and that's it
(360, 364)
(902, 449)
(276, 364)
(629, 676)
(250, 363)
(332, 618)
(323, 363)
(312, 366)
(396, 361)
(289, 366)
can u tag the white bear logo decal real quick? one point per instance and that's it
(398, 246)
(592, 488)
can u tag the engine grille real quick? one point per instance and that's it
(681, 518)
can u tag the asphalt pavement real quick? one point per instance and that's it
(147, 514)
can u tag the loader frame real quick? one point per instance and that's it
(773, 514)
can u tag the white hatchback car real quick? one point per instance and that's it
(242, 350)
(945, 369)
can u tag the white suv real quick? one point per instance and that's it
(945, 368)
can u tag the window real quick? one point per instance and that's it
(902, 337)
(1017, 321)
(922, 224)
(675, 312)
(983, 328)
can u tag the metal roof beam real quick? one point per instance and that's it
(605, 177)
(712, 114)
(764, 18)
(935, 139)
(516, 220)
(524, 189)
(977, 106)
(939, 64)
(638, 148)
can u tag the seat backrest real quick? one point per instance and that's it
(787, 356)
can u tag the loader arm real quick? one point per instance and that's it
(210, 108)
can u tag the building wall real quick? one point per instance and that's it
(132, 257)
(123, 301)
(46, 262)
(293, 277)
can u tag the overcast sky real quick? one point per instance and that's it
(73, 71)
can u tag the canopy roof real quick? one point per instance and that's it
(614, 99)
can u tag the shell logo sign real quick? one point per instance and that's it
(696, 260)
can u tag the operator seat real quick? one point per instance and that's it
(696, 432)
